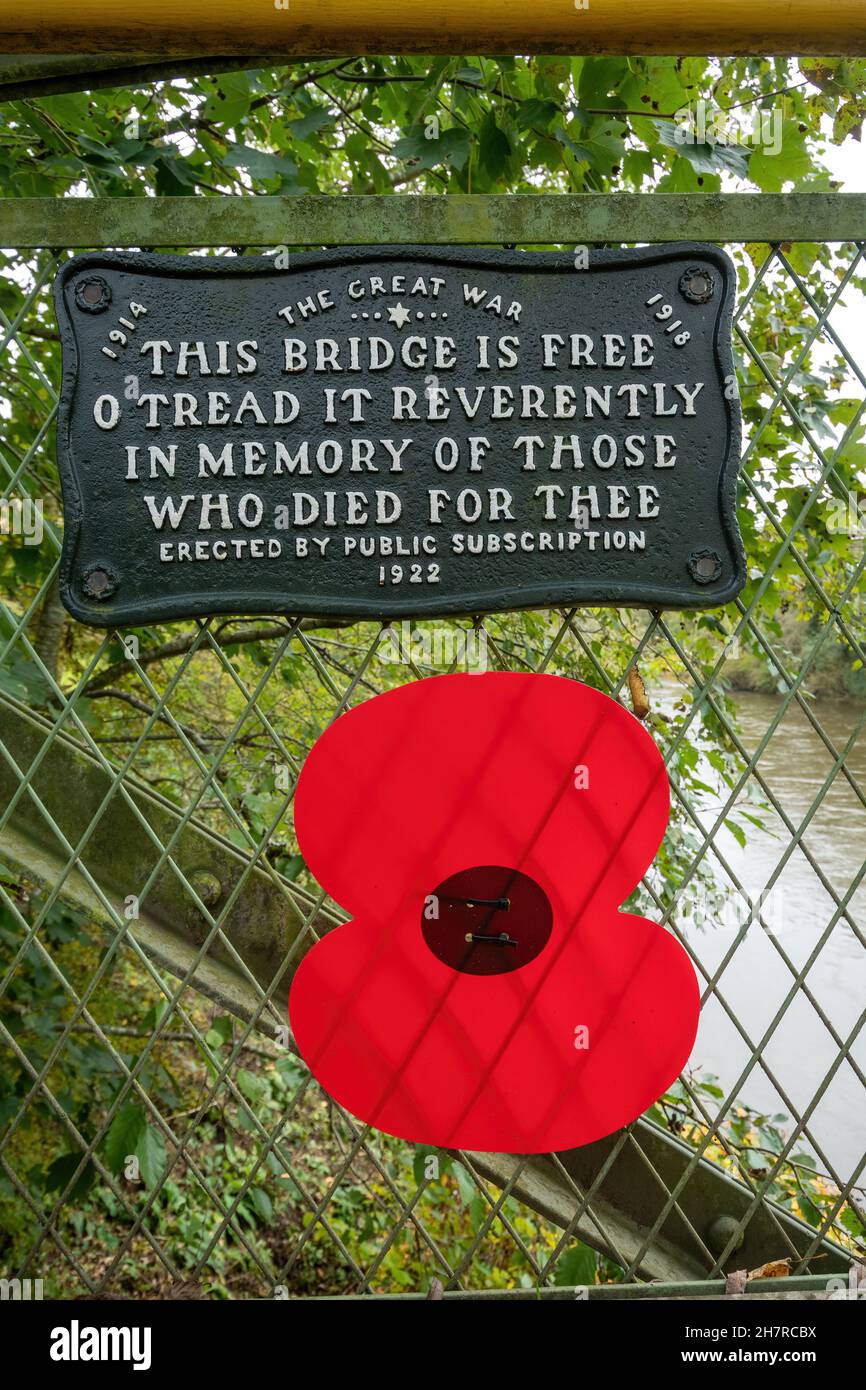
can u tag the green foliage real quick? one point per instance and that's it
(19, 675)
(226, 1163)
(749, 1144)
(130, 1136)
(449, 124)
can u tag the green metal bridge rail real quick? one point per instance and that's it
(220, 921)
(73, 796)
(803, 1286)
(453, 219)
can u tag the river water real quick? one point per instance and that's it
(801, 1051)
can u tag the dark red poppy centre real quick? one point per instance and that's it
(487, 920)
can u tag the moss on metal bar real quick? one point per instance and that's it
(526, 220)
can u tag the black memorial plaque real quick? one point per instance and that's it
(397, 432)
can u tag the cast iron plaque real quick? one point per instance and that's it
(397, 432)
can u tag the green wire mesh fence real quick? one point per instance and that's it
(158, 1130)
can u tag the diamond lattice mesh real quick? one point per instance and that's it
(154, 1134)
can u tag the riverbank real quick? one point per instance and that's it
(832, 675)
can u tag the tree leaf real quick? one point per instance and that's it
(705, 157)
(793, 162)
(124, 1135)
(173, 180)
(60, 1171)
(261, 1204)
(576, 1268)
(429, 151)
(311, 122)
(150, 1151)
(494, 147)
(536, 114)
(261, 164)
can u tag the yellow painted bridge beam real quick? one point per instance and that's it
(322, 27)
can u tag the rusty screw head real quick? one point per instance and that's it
(697, 284)
(99, 582)
(92, 294)
(705, 566)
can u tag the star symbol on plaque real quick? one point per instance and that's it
(399, 315)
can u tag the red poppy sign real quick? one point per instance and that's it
(483, 831)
